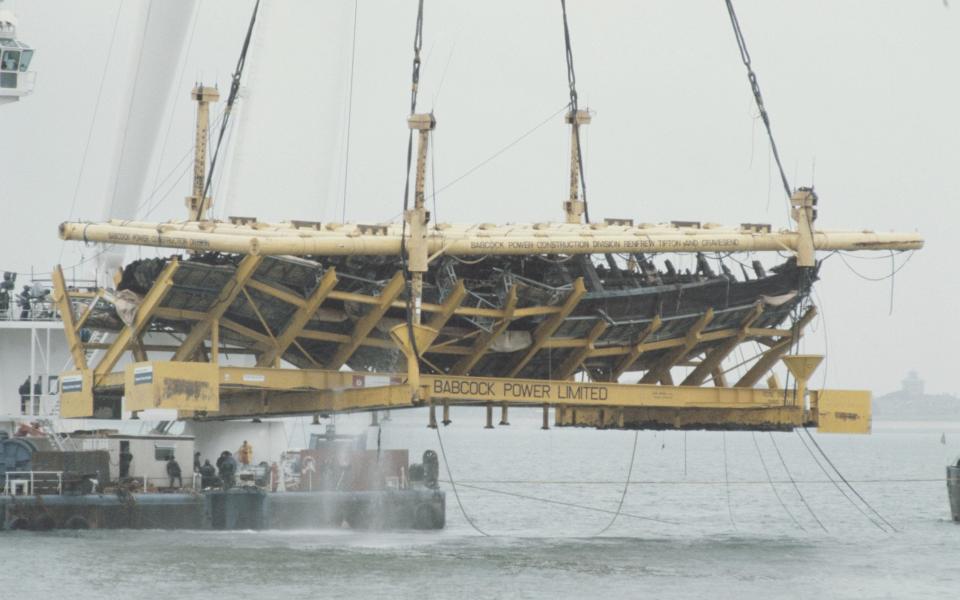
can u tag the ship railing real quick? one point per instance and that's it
(24, 483)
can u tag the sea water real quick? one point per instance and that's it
(699, 520)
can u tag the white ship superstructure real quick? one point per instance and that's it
(16, 78)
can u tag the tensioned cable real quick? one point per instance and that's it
(93, 120)
(572, 82)
(773, 487)
(346, 154)
(516, 141)
(794, 482)
(757, 96)
(231, 99)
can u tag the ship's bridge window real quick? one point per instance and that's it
(25, 57)
(10, 60)
(163, 453)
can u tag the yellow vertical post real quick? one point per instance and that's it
(489, 409)
(573, 207)
(417, 218)
(503, 414)
(197, 205)
(446, 413)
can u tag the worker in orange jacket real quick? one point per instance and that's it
(245, 453)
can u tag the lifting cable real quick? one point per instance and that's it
(795, 486)
(346, 153)
(773, 487)
(845, 481)
(231, 99)
(572, 82)
(93, 120)
(757, 96)
(417, 46)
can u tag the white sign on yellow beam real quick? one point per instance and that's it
(76, 394)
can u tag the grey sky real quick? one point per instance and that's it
(867, 90)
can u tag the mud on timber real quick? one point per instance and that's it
(228, 510)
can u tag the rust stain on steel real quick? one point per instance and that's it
(185, 387)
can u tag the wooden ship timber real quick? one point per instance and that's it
(573, 316)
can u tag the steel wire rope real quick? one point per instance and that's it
(183, 71)
(346, 153)
(572, 82)
(133, 94)
(503, 149)
(626, 486)
(796, 487)
(757, 95)
(93, 122)
(846, 482)
(837, 486)
(773, 487)
(453, 485)
(407, 279)
(231, 99)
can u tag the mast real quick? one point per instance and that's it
(574, 207)
(198, 206)
(418, 217)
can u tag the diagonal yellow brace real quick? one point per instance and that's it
(550, 325)
(772, 356)
(716, 356)
(578, 355)
(62, 298)
(449, 307)
(145, 312)
(483, 343)
(661, 371)
(228, 294)
(637, 349)
(366, 324)
(300, 318)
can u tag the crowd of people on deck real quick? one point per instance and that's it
(224, 474)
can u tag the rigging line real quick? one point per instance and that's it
(346, 157)
(93, 120)
(231, 99)
(433, 178)
(739, 482)
(626, 486)
(773, 487)
(496, 154)
(876, 279)
(757, 96)
(572, 82)
(726, 479)
(453, 485)
(183, 72)
(793, 481)
(133, 95)
(568, 504)
(844, 480)
(415, 83)
(836, 485)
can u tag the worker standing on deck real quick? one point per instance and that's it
(245, 453)
(208, 475)
(196, 462)
(228, 471)
(173, 471)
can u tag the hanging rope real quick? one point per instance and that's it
(726, 480)
(574, 106)
(757, 96)
(231, 99)
(796, 488)
(773, 487)
(626, 486)
(844, 480)
(453, 484)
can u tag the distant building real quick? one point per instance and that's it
(913, 386)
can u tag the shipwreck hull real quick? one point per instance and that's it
(626, 304)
